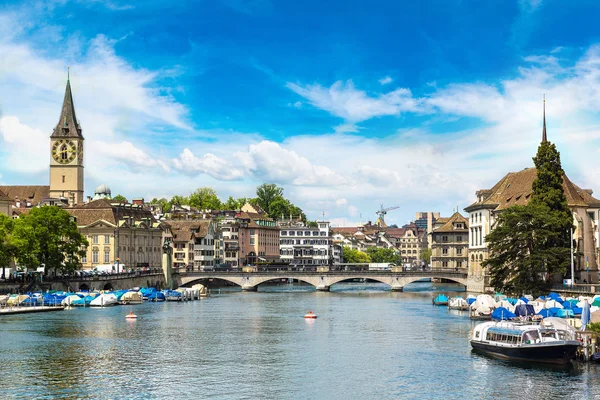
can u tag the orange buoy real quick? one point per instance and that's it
(131, 315)
(310, 315)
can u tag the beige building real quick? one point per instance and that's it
(450, 242)
(119, 233)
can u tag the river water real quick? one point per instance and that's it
(366, 344)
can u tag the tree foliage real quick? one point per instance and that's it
(205, 199)
(355, 256)
(532, 242)
(120, 198)
(8, 248)
(381, 255)
(48, 236)
(426, 255)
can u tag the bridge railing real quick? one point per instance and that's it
(101, 277)
(337, 271)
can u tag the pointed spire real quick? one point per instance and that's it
(68, 125)
(544, 138)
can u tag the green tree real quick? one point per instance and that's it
(48, 236)
(266, 194)
(178, 200)
(8, 250)
(532, 242)
(355, 256)
(120, 198)
(205, 199)
(426, 255)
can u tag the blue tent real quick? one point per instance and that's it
(544, 313)
(512, 300)
(501, 313)
(522, 310)
(471, 300)
(524, 300)
(440, 300)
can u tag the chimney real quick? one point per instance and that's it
(138, 202)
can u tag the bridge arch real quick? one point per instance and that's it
(384, 280)
(410, 279)
(196, 280)
(260, 280)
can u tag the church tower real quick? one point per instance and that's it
(66, 154)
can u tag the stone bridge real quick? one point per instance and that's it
(321, 280)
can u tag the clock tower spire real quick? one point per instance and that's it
(66, 153)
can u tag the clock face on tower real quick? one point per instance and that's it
(64, 151)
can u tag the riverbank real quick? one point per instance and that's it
(27, 310)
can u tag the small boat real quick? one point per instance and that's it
(551, 342)
(440, 300)
(131, 315)
(310, 315)
(458, 303)
(104, 300)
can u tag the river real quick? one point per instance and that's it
(366, 344)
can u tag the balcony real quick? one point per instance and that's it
(232, 247)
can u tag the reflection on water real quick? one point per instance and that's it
(372, 344)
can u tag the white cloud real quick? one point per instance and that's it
(25, 146)
(270, 162)
(127, 153)
(341, 202)
(343, 100)
(208, 164)
(386, 80)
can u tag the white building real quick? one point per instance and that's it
(204, 245)
(304, 246)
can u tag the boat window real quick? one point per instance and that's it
(531, 337)
(477, 334)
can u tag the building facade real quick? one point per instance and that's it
(450, 243)
(124, 235)
(305, 246)
(258, 238)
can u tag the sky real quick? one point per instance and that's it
(347, 105)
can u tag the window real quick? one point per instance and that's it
(106, 256)
(445, 251)
(106, 239)
(444, 264)
(459, 264)
(84, 259)
(459, 238)
(444, 238)
(95, 239)
(63, 179)
(251, 241)
(459, 251)
(283, 233)
(252, 232)
(94, 256)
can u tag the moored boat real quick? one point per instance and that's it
(458, 303)
(539, 343)
(440, 300)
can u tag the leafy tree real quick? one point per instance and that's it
(234, 204)
(205, 199)
(532, 242)
(49, 236)
(266, 194)
(426, 255)
(312, 224)
(383, 255)
(120, 198)
(393, 226)
(355, 256)
(178, 200)
(8, 249)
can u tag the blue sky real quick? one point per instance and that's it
(346, 104)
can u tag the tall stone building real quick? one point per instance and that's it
(66, 150)
(450, 243)
(515, 188)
